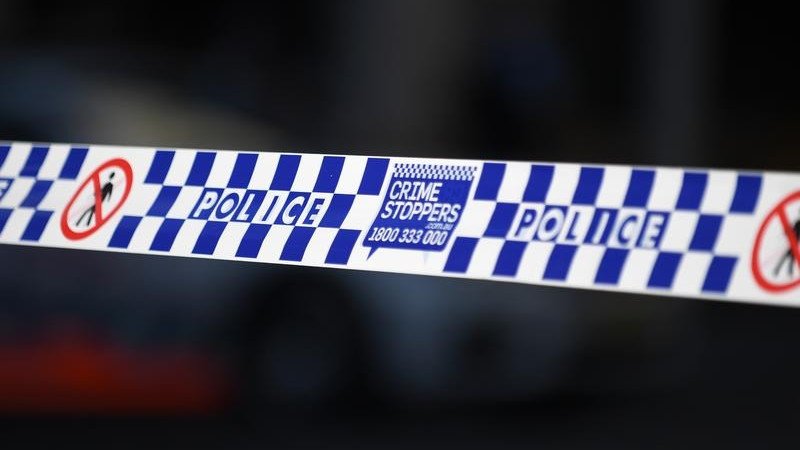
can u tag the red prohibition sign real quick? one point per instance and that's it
(778, 212)
(100, 217)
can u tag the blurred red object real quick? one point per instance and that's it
(68, 372)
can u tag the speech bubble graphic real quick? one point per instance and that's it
(422, 206)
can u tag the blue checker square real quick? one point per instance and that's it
(37, 193)
(538, 183)
(501, 219)
(166, 234)
(34, 162)
(285, 173)
(509, 258)
(5, 213)
(342, 246)
(243, 170)
(329, 174)
(559, 262)
(374, 173)
(164, 201)
(36, 225)
(489, 184)
(209, 237)
(706, 232)
(72, 166)
(611, 266)
(639, 188)
(588, 186)
(295, 246)
(664, 270)
(4, 151)
(745, 197)
(160, 167)
(201, 168)
(460, 255)
(252, 240)
(692, 190)
(719, 274)
(337, 211)
(124, 231)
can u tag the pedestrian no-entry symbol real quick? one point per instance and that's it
(776, 256)
(96, 201)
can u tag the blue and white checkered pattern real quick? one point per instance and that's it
(34, 176)
(691, 256)
(175, 180)
(692, 232)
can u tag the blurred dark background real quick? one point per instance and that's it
(132, 351)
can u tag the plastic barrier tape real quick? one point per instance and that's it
(668, 231)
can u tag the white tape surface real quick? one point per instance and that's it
(668, 231)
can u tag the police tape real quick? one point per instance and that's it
(717, 234)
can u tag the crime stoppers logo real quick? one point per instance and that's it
(97, 199)
(775, 262)
(422, 207)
